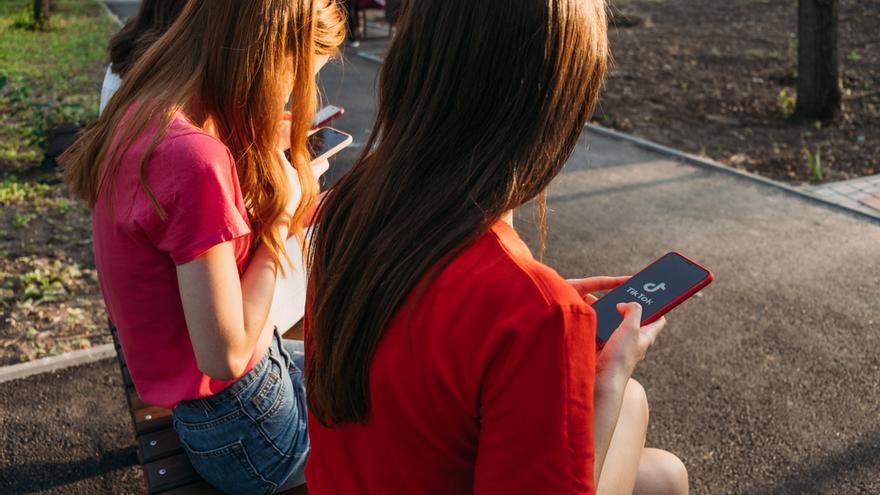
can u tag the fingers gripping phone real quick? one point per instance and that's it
(326, 142)
(659, 287)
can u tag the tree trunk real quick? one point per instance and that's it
(41, 11)
(818, 88)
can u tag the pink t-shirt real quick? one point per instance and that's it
(192, 175)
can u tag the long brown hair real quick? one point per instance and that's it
(141, 31)
(228, 58)
(477, 114)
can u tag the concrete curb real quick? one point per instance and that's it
(717, 167)
(55, 363)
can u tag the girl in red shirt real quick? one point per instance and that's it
(193, 201)
(441, 356)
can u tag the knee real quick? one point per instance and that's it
(676, 476)
(668, 475)
(635, 401)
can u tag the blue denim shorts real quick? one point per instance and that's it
(251, 437)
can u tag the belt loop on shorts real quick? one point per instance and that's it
(206, 404)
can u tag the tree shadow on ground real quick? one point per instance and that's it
(818, 477)
(39, 476)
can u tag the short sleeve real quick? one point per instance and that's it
(205, 207)
(536, 408)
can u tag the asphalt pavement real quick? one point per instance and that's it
(767, 383)
(124, 9)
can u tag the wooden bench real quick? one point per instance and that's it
(167, 470)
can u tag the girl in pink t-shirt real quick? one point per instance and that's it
(193, 201)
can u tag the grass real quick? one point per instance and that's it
(45, 281)
(787, 103)
(48, 76)
(49, 297)
(14, 191)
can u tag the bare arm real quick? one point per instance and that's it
(615, 364)
(225, 315)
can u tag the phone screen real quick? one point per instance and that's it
(325, 140)
(656, 288)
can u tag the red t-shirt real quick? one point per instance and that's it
(487, 389)
(193, 177)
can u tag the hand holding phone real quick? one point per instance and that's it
(326, 142)
(630, 340)
(629, 343)
(661, 286)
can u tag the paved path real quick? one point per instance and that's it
(767, 384)
(123, 8)
(861, 194)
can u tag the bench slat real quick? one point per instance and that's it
(134, 400)
(150, 419)
(168, 473)
(158, 445)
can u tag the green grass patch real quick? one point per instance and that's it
(50, 75)
(13, 191)
(47, 280)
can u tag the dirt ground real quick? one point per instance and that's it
(712, 78)
(50, 302)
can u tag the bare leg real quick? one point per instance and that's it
(621, 466)
(630, 468)
(661, 473)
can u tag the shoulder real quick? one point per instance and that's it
(183, 139)
(188, 153)
(501, 273)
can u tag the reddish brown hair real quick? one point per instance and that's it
(227, 58)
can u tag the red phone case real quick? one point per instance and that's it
(329, 119)
(678, 300)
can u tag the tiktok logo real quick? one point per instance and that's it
(652, 287)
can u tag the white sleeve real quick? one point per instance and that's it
(108, 89)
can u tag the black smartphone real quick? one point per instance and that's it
(659, 287)
(326, 142)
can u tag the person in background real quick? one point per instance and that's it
(441, 356)
(138, 34)
(192, 202)
(126, 47)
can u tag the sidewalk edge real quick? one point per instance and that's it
(55, 363)
(718, 167)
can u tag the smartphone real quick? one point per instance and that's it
(659, 287)
(325, 115)
(326, 142)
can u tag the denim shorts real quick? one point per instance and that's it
(251, 437)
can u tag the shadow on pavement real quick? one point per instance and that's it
(39, 476)
(833, 469)
(635, 186)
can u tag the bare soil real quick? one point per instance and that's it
(50, 302)
(713, 78)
